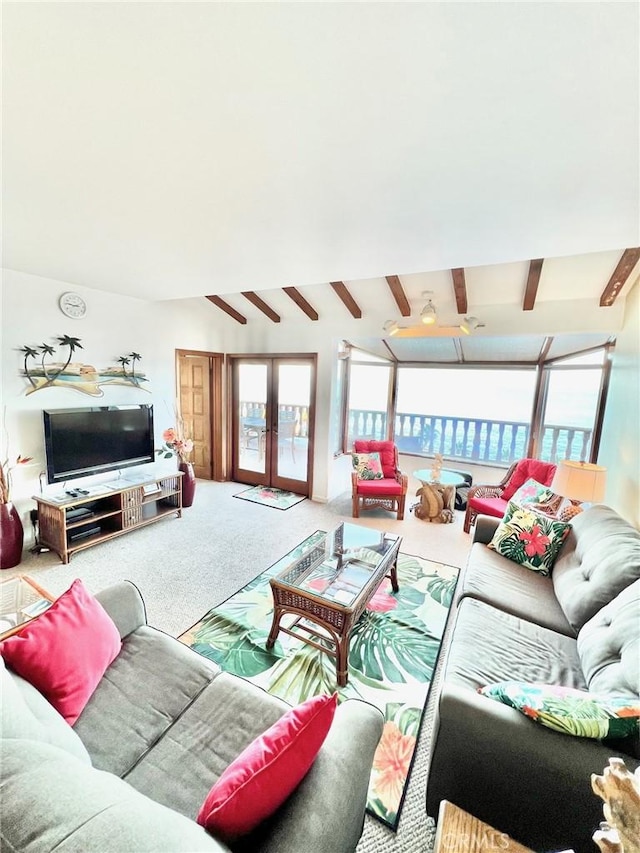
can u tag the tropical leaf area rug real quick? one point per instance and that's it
(277, 498)
(393, 652)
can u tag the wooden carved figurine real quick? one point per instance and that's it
(620, 790)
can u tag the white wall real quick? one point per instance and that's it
(620, 446)
(114, 326)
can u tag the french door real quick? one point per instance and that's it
(272, 421)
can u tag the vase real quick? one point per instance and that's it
(188, 483)
(11, 536)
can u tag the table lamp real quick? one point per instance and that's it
(580, 482)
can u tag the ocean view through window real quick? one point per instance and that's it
(484, 414)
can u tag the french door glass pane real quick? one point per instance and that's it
(252, 398)
(294, 397)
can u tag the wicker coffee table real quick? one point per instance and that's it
(328, 587)
(21, 600)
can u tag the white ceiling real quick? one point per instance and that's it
(167, 150)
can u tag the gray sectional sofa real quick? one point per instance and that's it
(578, 628)
(159, 730)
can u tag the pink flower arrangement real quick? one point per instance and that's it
(176, 444)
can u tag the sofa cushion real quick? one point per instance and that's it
(490, 645)
(148, 686)
(53, 801)
(529, 539)
(609, 645)
(266, 773)
(65, 651)
(572, 712)
(26, 714)
(491, 578)
(600, 557)
(204, 740)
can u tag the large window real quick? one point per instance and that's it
(368, 398)
(572, 395)
(480, 414)
(466, 413)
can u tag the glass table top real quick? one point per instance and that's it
(447, 478)
(338, 566)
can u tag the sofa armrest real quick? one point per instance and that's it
(124, 604)
(485, 527)
(520, 777)
(326, 812)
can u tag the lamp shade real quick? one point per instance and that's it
(579, 481)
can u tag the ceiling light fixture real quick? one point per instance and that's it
(391, 327)
(469, 325)
(428, 315)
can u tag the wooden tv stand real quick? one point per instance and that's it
(63, 527)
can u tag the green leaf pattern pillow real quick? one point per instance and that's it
(530, 539)
(573, 712)
(367, 465)
(538, 497)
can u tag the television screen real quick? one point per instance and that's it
(80, 442)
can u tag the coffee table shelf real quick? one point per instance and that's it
(328, 587)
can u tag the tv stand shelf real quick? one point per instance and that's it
(63, 527)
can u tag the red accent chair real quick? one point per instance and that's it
(390, 492)
(493, 500)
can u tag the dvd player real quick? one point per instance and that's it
(83, 532)
(78, 513)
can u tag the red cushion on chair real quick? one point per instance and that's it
(489, 506)
(387, 451)
(527, 469)
(386, 486)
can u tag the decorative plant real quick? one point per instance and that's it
(176, 444)
(5, 476)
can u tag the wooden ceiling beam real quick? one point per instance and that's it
(224, 306)
(352, 306)
(399, 295)
(460, 290)
(620, 275)
(261, 305)
(301, 302)
(533, 280)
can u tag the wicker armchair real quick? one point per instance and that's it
(390, 492)
(493, 500)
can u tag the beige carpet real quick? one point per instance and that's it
(184, 566)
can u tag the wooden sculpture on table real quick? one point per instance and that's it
(620, 790)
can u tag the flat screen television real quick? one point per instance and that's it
(91, 440)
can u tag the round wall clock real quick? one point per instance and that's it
(72, 305)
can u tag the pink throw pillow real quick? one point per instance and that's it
(268, 770)
(65, 651)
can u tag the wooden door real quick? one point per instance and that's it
(199, 379)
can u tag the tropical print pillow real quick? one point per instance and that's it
(573, 712)
(367, 465)
(528, 538)
(538, 497)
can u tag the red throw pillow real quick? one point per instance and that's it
(268, 770)
(65, 651)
